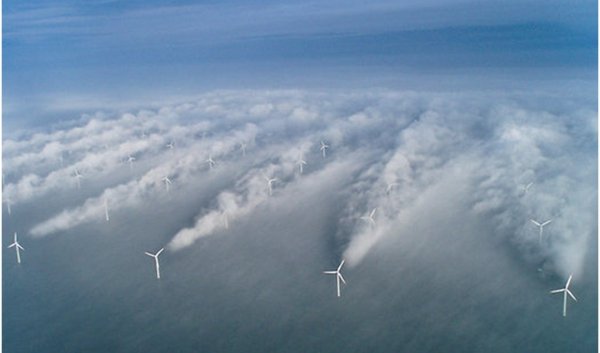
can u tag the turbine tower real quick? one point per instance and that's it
(7, 200)
(225, 220)
(565, 291)
(106, 209)
(155, 256)
(323, 148)
(17, 247)
(338, 276)
(541, 226)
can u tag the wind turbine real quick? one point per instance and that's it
(541, 226)
(7, 200)
(130, 160)
(389, 187)
(17, 247)
(338, 276)
(301, 163)
(78, 177)
(270, 184)
(211, 162)
(526, 188)
(565, 291)
(106, 209)
(155, 256)
(243, 148)
(369, 219)
(225, 220)
(170, 145)
(167, 182)
(323, 148)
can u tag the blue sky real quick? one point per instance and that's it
(68, 56)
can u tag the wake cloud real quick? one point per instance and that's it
(495, 158)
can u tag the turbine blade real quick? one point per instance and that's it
(340, 266)
(22, 248)
(11, 245)
(548, 221)
(330, 272)
(147, 253)
(159, 251)
(568, 281)
(536, 223)
(557, 291)
(373, 212)
(571, 294)
(341, 277)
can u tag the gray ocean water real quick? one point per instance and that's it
(259, 287)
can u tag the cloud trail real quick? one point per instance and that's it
(411, 145)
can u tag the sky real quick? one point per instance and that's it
(455, 124)
(69, 56)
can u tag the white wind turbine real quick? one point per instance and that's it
(78, 177)
(17, 248)
(7, 200)
(130, 160)
(369, 219)
(526, 188)
(211, 162)
(324, 148)
(389, 187)
(167, 182)
(270, 182)
(155, 256)
(106, 209)
(170, 145)
(338, 276)
(565, 291)
(301, 163)
(225, 220)
(243, 148)
(541, 226)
